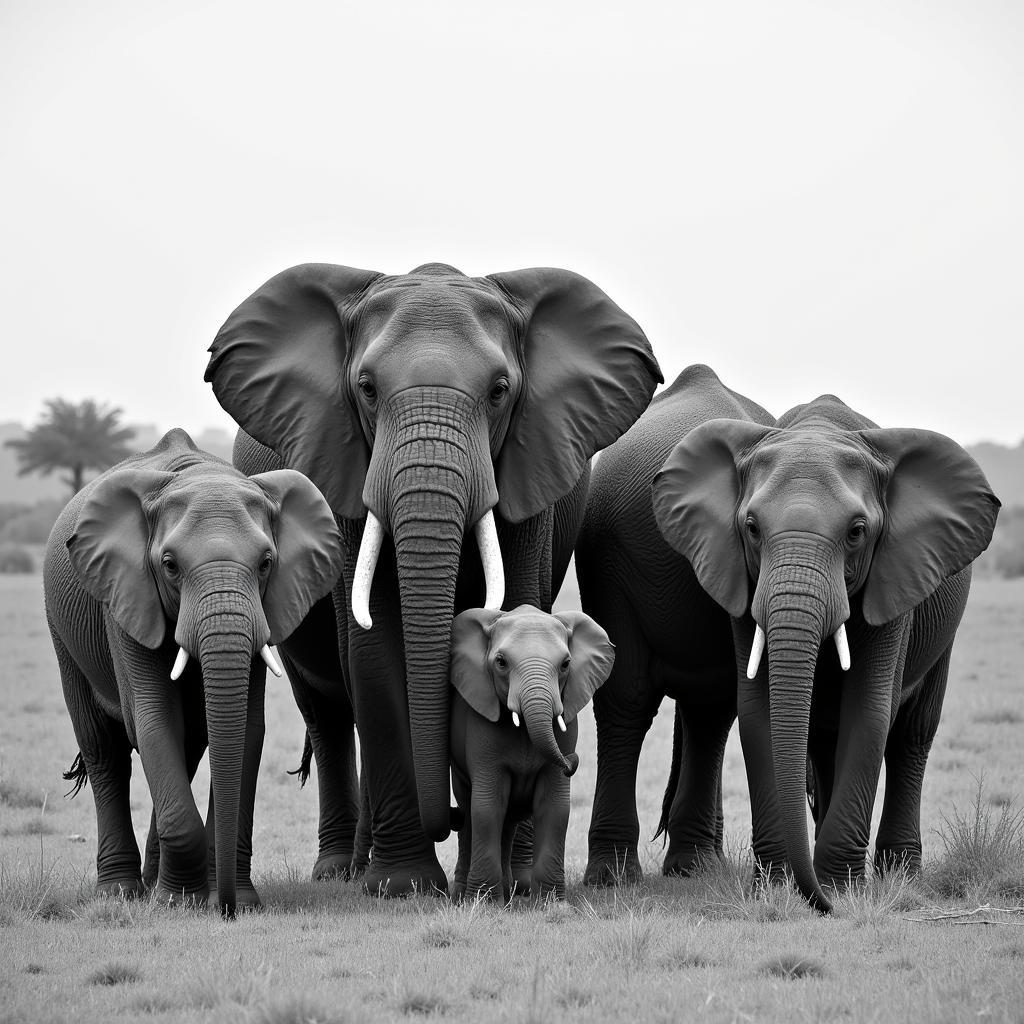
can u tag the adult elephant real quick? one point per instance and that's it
(165, 580)
(424, 406)
(826, 529)
(671, 638)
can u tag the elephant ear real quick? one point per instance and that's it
(471, 637)
(278, 367)
(940, 514)
(109, 551)
(696, 494)
(593, 656)
(309, 555)
(589, 372)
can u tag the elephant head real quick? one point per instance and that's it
(797, 524)
(229, 563)
(540, 666)
(422, 402)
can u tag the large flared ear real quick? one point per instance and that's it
(109, 551)
(592, 657)
(471, 637)
(589, 372)
(309, 555)
(939, 516)
(278, 367)
(696, 495)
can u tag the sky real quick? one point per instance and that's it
(809, 197)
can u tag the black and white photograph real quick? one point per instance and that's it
(512, 512)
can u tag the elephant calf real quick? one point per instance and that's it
(165, 580)
(544, 668)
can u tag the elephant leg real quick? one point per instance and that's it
(403, 860)
(511, 885)
(623, 709)
(898, 842)
(331, 729)
(551, 821)
(520, 860)
(694, 829)
(488, 809)
(107, 753)
(364, 839)
(464, 799)
(821, 774)
(151, 861)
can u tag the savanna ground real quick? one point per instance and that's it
(711, 948)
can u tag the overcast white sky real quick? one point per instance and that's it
(810, 197)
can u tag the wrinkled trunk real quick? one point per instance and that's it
(439, 482)
(801, 601)
(539, 710)
(227, 629)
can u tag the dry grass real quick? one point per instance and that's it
(721, 946)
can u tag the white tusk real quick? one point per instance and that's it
(756, 650)
(272, 663)
(515, 719)
(843, 647)
(179, 663)
(369, 549)
(490, 555)
(561, 723)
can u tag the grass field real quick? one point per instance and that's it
(700, 949)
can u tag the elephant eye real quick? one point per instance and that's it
(753, 530)
(501, 661)
(170, 565)
(367, 389)
(565, 665)
(857, 532)
(499, 390)
(266, 564)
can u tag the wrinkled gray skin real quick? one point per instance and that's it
(671, 639)
(538, 666)
(827, 521)
(173, 548)
(427, 399)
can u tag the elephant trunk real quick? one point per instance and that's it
(440, 482)
(800, 603)
(229, 628)
(537, 703)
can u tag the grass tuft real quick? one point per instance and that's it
(983, 851)
(453, 923)
(294, 1009)
(115, 974)
(874, 900)
(733, 890)
(792, 966)
(422, 1001)
(999, 716)
(16, 795)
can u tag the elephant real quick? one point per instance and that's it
(165, 580)
(426, 406)
(671, 639)
(544, 668)
(845, 549)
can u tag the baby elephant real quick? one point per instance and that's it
(165, 580)
(510, 666)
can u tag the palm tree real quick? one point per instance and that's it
(77, 437)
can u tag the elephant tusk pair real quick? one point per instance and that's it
(369, 550)
(757, 649)
(265, 653)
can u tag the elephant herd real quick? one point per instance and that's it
(414, 455)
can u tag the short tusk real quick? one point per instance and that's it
(366, 563)
(515, 719)
(272, 663)
(756, 650)
(490, 555)
(843, 647)
(179, 663)
(561, 723)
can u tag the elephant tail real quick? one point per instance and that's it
(673, 779)
(78, 774)
(307, 759)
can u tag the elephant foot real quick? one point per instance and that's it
(405, 878)
(689, 861)
(125, 888)
(613, 868)
(891, 859)
(331, 866)
(181, 896)
(522, 879)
